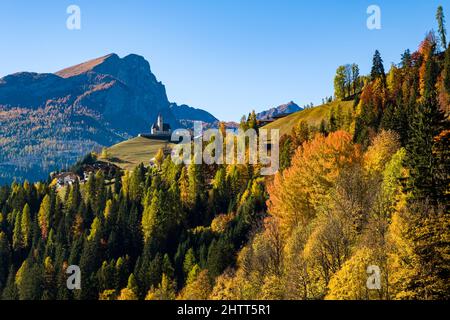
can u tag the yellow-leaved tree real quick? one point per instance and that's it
(297, 194)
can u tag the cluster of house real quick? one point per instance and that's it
(63, 179)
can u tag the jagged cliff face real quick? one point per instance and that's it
(48, 121)
(123, 91)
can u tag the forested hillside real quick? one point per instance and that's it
(370, 187)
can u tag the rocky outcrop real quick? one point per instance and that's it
(282, 109)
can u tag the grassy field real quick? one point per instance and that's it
(128, 154)
(313, 116)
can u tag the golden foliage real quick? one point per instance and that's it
(198, 287)
(127, 294)
(109, 295)
(350, 282)
(419, 238)
(297, 194)
(220, 222)
(165, 290)
(383, 147)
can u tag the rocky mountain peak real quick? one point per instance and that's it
(96, 103)
(104, 62)
(286, 108)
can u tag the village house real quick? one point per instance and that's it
(66, 179)
(109, 170)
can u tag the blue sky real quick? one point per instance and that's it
(226, 56)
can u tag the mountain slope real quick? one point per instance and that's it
(313, 116)
(51, 120)
(83, 67)
(109, 85)
(128, 154)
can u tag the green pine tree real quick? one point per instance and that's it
(421, 161)
(378, 68)
(441, 27)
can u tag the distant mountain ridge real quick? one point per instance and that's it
(186, 115)
(183, 112)
(287, 108)
(50, 120)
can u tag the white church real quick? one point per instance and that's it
(159, 128)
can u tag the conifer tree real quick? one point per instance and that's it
(418, 240)
(25, 226)
(99, 197)
(286, 152)
(44, 216)
(17, 232)
(323, 127)
(183, 183)
(159, 158)
(252, 121)
(154, 218)
(378, 68)
(332, 121)
(121, 272)
(430, 78)
(5, 259)
(29, 280)
(427, 124)
(355, 78)
(136, 183)
(74, 199)
(49, 279)
(196, 184)
(406, 59)
(220, 190)
(130, 292)
(441, 27)
(10, 292)
(447, 71)
(164, 291)
(189, 261)
(89, 263)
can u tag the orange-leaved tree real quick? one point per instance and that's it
(298, 192)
